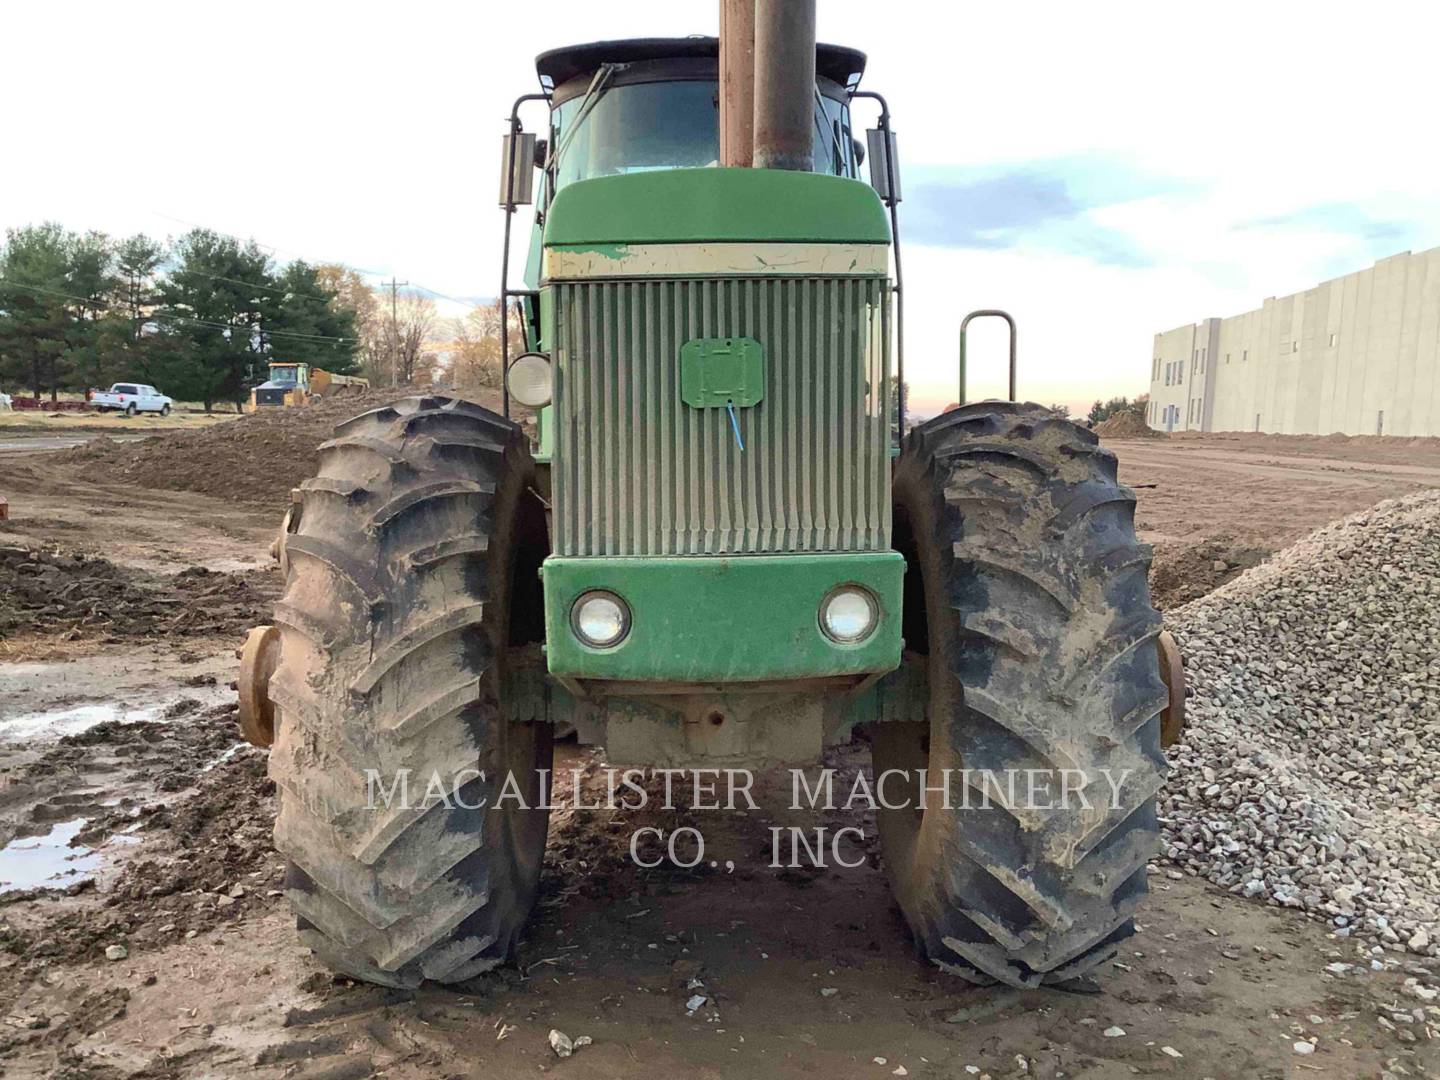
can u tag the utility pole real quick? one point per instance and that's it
(395, 331)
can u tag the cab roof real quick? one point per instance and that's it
(557, 66)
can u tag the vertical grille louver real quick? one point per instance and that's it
(639, 472)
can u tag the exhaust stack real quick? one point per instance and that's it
(767, 84)
(784, 84)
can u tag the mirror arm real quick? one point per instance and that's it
(509, 208)
(891, 202)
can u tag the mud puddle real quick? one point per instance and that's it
(48, 861)
(48, 725)
(60, 858)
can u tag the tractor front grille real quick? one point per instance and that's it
(639, 472)
(270, 396)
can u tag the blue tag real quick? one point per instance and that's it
(735, 425)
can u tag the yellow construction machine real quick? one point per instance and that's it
(295, 384)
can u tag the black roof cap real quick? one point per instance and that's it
(557, 66)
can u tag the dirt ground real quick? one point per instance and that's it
(1231, 499)
(119, 771)
(37, 421)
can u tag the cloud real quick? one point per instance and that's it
(1042, 205)
(1347, 218)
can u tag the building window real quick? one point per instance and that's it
(1380, 422)
(1333, 339)
(1294, 346)
(1155, 371)
(1180, 371)
(1227, 358)
(1244, 355)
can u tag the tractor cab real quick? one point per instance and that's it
(621, 107)
(289, 376)
(287, 385)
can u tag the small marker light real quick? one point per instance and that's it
(600, 619)
(848, 614)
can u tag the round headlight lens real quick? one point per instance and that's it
(849, 614)
(600, 619)
(532, 381)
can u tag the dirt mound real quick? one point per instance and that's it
(1185, 572)
(80, 597)
(1125, 425)
(256, 458)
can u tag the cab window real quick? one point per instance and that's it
(640, 127)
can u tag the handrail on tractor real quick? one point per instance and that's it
(965, 323)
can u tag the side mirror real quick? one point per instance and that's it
(882, 154)
(858, 149)
(517, 170)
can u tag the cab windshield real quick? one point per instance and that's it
(286, 375)
(640, 127)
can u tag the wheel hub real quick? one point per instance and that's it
(258, 660)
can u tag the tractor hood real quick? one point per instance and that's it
(716, 205)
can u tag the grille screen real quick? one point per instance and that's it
(639, 472)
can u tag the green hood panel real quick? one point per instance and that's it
(684, 206)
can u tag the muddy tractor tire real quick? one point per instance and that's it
(1027, 597)
(391, 748)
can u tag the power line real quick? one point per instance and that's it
(298, 255)
(279, 290)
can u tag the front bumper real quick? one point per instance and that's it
(719, 619)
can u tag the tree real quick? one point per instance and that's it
(1099, 411)
(1062, 412)
(88, 283)
(34, 316)
(216, 298)
(307, 323)
(371, 328)
(128, 346)
(409, 337)
(475, 361)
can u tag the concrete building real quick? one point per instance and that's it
(1359, 355)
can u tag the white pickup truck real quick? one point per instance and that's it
(131, 398)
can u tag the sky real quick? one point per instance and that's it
(1103, 171)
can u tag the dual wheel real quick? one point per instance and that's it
(410, 565)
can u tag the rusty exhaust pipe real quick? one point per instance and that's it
(784, 84)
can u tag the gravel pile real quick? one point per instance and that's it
(1310, 771)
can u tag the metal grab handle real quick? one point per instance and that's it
(965, 323)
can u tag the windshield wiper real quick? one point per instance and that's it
(820, 127)
(593, 94)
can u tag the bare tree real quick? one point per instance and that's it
(371, 327)
(476, 356)
(409, 341)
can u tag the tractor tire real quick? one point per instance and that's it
(1026, 593)
(396, 621)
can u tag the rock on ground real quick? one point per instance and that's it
(1310, 771)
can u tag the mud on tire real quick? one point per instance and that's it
(396, 620)
(1026, 595)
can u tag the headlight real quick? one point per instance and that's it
(532, 381)
(600, 619)
(848, 614)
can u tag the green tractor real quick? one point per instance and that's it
(721, 548)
